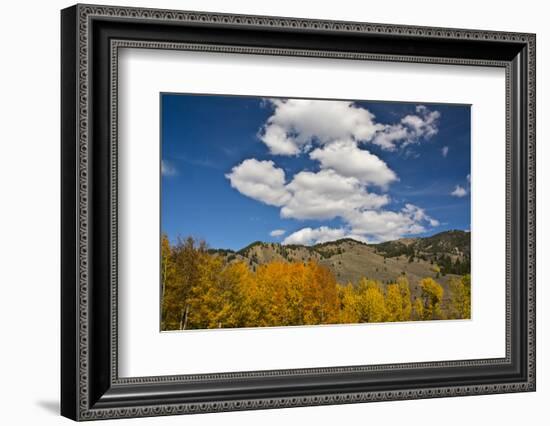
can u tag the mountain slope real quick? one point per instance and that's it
(440, 256)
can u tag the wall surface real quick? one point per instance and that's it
(29, 212)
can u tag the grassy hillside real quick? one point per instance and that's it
(440, 256)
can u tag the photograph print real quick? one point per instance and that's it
(281, 212)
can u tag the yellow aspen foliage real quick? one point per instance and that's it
(205, 304)
(166, 277)
(432, 295)
(365, 283)
(349, 313)
(235, 279)
(348, 304)
(460, 299)
(467, 307)
(418, 310)
(406, 305)
(181, 264)
(394, 304)
(258, 300)
(166, 262)
(272, 283)
(371, 306)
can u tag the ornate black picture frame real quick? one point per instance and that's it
(91, 386)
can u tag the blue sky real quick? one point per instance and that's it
(240, 169)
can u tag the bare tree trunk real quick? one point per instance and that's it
(184, 315)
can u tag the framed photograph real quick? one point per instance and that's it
(263, 212)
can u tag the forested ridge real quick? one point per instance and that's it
(202, 289)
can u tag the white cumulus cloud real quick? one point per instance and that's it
(424, 123)
(297, 123)
(369, 226)
(277, 232)
(260, 180)
(348, 160)
(411, 129)
(327, 195)
(444, 151)
(309, 236)
(334, 134)
(459, 192)
(386, 225)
